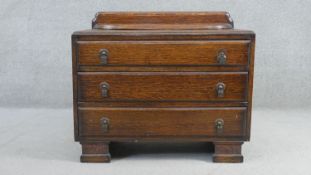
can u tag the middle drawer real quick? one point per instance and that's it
(162, 86)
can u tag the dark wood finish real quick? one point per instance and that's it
(162, 20)
(164, 52)
(228, 152)
(144, 122)
(250, 86)
(160, 73)
(163, 35)
(186, 68)
(74, 85)
(95, 152)
(158, 86)
(167, 104)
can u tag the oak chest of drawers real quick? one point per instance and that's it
(169, 76)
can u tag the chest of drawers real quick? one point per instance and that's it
(169, 76)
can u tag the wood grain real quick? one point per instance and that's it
(228, 152)
(162, 86)
(162, 20)
(161, 121)
(142, 68)
(96, 152)
(156, 104)
(74, 85)
(164, 52)
(162, 72)
(163, 35)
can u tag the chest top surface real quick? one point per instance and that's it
(147, 25)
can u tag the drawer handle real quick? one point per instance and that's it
(222, 57)
(103, 56)
(219, 124)
(104, 89)
(104, 122)
(220, 89)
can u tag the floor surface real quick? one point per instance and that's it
(40, 141)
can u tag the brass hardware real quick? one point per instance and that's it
(222, 57)
(219, 124)
(220, 89)
(103, 56)
(104, 122)
(230, 19)
(104, 89)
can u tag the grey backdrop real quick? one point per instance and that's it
(35, 62)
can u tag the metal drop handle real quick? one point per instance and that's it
(222, 57)
(104, 86)
(103, 56)
(220, 89)
(104, 122)
(219, 125)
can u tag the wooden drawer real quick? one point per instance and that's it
(150, 53)
(161, 121)
(139, 122)
(162, 86)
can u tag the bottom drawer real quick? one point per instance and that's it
(125, 122)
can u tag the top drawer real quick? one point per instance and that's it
(161, 53)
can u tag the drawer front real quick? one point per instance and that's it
(201, 53)
(136, 122)
(162, 86)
